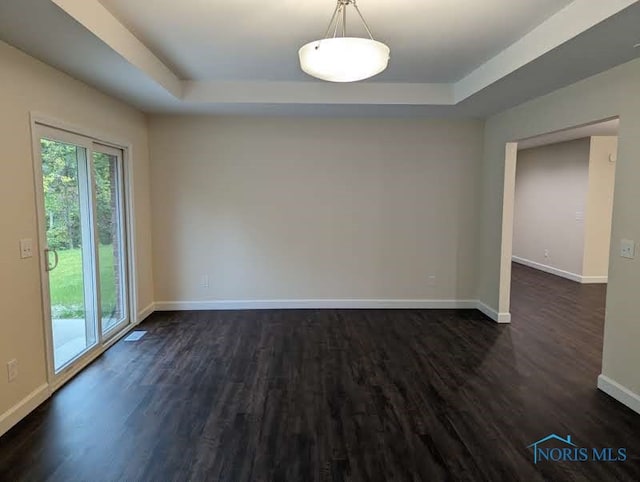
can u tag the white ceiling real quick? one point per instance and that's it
(431, 41)
(450, 58)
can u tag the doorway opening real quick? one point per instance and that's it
(558, 203)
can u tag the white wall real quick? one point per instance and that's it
(550, 202)
(563, 208)
(313, 209)
(607, 95)
(28, 85)
(599, 208)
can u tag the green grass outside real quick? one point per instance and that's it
(67, 296)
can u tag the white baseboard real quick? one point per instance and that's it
(493, 314)
(559, 272)
(548, 269)
(23, 408)
(620, 393)
(332, 304)
(312, 304)
(142, 314)
(589, 280)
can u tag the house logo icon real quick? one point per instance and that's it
(570, 452)
(567, 441)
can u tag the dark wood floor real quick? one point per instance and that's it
(338, 395)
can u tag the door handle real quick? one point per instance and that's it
(49, 266)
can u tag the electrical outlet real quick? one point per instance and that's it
(26, 248)
(205, 281)
(432, 280)
(628, 249)
(12, 370)
(546, 253)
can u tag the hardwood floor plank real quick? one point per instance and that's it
(353, 395)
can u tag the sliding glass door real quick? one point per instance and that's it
(85, 255)
(69, 263)
(108, 176)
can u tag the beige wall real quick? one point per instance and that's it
(28, 85)
(550, 202)
(612, 93)
(310, 209)
(599, 206)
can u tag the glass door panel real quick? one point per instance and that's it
(107, 175)
(69, 259)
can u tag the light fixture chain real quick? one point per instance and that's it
(344, 20)
(364, 22)
(335, 30)
(341, 11)
(333, 18)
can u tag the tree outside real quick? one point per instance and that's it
(61, 181)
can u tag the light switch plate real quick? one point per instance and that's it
(12, 370)
(628, 249)
(26, 248)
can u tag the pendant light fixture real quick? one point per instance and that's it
(342, 58)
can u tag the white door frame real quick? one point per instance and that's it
(508, 203)
(83, 137)
(122, 233)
